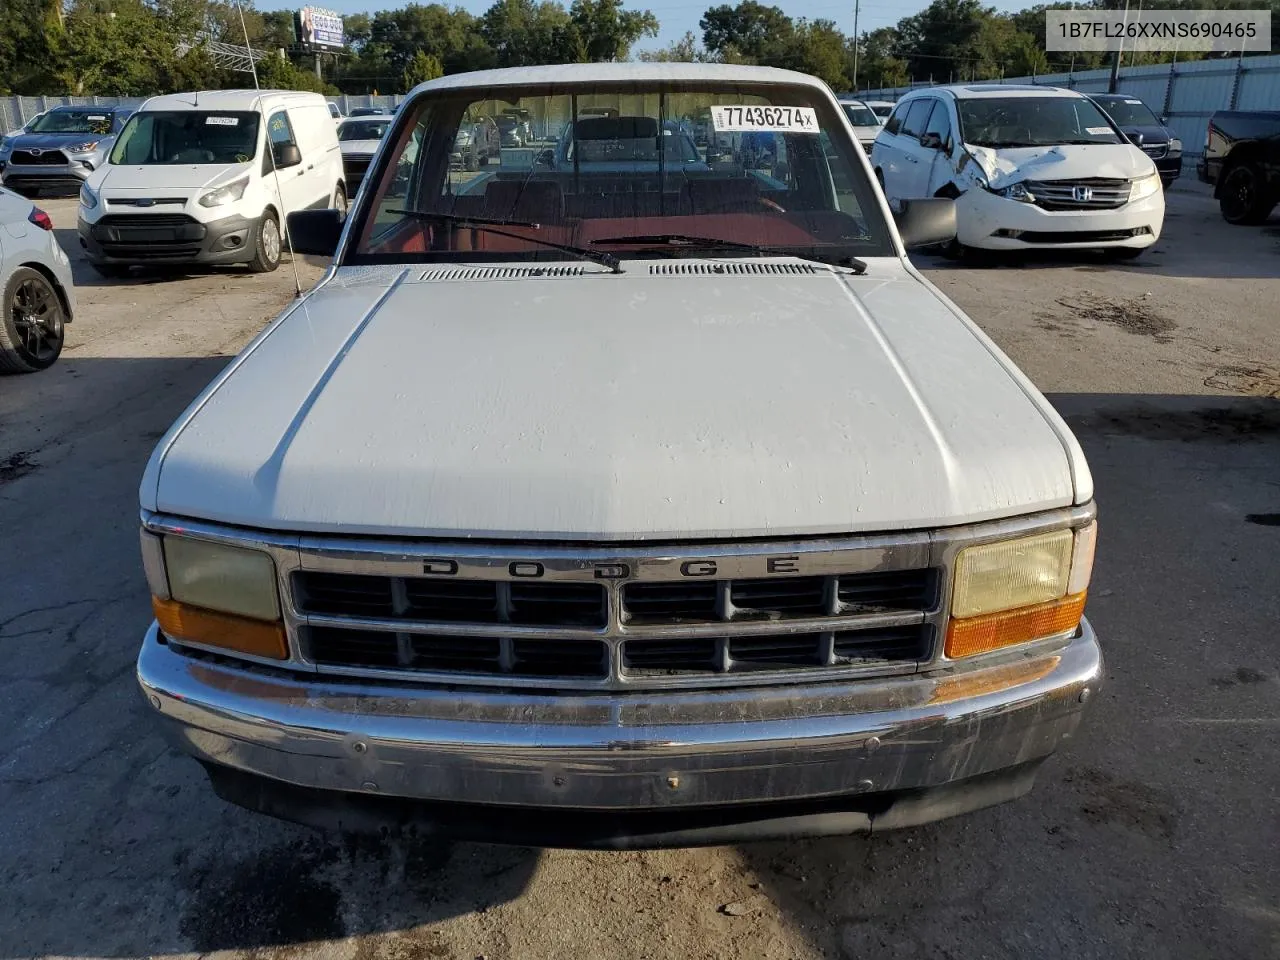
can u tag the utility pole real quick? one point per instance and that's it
(856, 5)
(1115, 61)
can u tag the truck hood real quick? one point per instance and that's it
(1111, 161)
(615, 407)
(123, 179)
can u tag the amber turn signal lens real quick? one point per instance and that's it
(992, 631)
(239, 634)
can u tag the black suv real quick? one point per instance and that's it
(1144, 130)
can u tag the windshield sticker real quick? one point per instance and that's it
(96, 117)
(221, 121)
(764, 119)
(1133, 101)
(1097, 131)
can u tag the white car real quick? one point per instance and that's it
(359, 139)
(881, 108)
(209, 178)
(620, 502)
(866, 125)
(37, 295)
(1031, 168)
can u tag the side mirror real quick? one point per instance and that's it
(286, 155)
(1136, 138)
(930, 141)
(545, 158)
(926, 222)
(315, 231)
(1164, 121)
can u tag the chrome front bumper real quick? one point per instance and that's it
(629, 753)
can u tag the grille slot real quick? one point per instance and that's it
(736, 269)
(45, 158)
(696, 655)
(458, 601)
(345, 594)
(779, 597)
(783, 649)
(886, 591)
(559, 658)
(652, 603)
(353, 648)
(571, 604)
(884, 643)
(469, 654)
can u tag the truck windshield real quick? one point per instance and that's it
(187, 137)
(363, 130)
(73, 121)
(740, 169)
(1033, 122)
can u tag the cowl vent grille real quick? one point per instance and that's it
(498, 273)
(733, 269)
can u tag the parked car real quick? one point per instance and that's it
(708, 523)
(881, 108)
(1145, 131)
(1030, 167)
(359, 139)
(335, 112)
(866, 125)
(190, 181)
(513, 131)
(60, 149)
(37, 295)
(1242, 161)
(476, 144)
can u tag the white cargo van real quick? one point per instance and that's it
(190, 179)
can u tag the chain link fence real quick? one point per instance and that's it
(16, 111)
(1186, 93)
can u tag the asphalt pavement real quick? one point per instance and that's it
(1154, 833)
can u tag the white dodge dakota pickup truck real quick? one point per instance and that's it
(622, 492)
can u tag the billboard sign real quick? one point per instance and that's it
(320, 28)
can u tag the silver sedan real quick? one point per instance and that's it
(37, 296)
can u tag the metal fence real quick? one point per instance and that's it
(1187, 92)
(15, 111)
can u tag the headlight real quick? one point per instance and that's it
(1146, 187)
(87, 199)
(1175, 146)
(83, 147)
(1017, 191)
(229, 193)
(215, 594)
(1015, 591)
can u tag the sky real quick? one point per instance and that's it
(677, 17)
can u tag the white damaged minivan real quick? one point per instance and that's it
(1031, 168)
(191, 179)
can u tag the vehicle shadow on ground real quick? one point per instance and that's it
(85, 276)
(1157, 781)
(116, 846)
(1195, 242)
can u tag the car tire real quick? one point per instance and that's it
(266, 244)
(109, 271)
(32, 322)
(1242, 198)
(340, 200)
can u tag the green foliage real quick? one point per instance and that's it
(607, 31)
(421, 68)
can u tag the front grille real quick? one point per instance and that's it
(1077, 195)
(1080, 236)
(1155, 150)
(144, 201)
(353, 171)
(149, 221)
(45, 158)
(522, 626)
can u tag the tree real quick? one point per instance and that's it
(607, 32)
(749, 30)
(523, 32)
(421, 68)
(684, 50)
(816, 47)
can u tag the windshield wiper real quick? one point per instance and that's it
(714, 243)
(494, 225)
